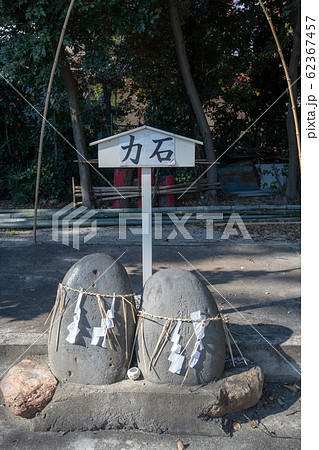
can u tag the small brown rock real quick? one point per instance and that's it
(180, 445)
(28, 388)
(238, 392)
(254, 423)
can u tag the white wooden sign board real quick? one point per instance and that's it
(146, 147)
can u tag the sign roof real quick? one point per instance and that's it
(145, 127)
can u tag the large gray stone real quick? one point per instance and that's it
(177, 293)
(82, 362)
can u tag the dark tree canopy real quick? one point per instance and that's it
(122, 57)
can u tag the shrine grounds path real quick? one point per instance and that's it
(256, 285)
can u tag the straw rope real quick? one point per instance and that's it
(134, 310)
(68, 288)
(167, 334)
(164, 335)
(61, 311)
(175, 319)
(61, 297)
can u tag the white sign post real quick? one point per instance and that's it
(146, 147)
(146, 223)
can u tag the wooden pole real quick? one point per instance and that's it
(293, 105)
(36, 199)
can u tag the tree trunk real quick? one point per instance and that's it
(292, 192)
(78, 134)
(193, 96)
(55, 140)
(107, 109)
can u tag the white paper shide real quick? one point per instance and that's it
(199, 330)
(106, 324)
(175, 357)
(73, 328)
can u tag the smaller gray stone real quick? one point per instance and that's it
(27, 388)
(175, 293)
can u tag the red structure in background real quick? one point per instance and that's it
(124, 177)
(162, 200)
(166, 200)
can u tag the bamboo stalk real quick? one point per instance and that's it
(125, 321)
(240, 352)
(228, 342)
(109, 339)
(158, 342)
(100, 189)
(55, 63)
(143, 342)
(59, 321)
(163, 344)
(101, 310)
(133, 314)
(293, 105)
(107, 194)
(188, 342)
(102, 306)
(54, 306)
(187, 370)
(54, 311)
(135, 337)
(74, 193)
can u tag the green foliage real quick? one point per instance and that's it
(125, 49)
(21, 181)
(276, 172)
(184, 175)
(235, 66)
(243, 106)
(19, 141)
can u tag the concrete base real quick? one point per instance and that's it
(145, 406)
(279, 427)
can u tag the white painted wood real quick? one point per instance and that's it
(110, 154)
(184, 153)
(109, 149)
(144, 144)
(145, 127)
(146, 223)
